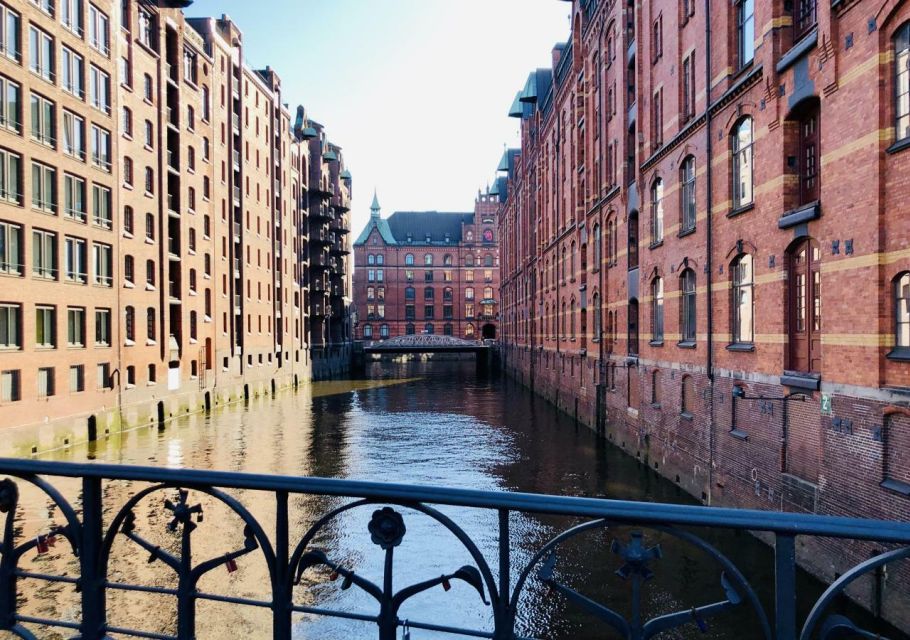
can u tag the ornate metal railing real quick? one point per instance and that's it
(498, 584)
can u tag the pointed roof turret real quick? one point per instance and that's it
(374, 208)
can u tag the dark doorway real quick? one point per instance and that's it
(488, 331)
(804, 314)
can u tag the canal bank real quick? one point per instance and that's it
(434, 424)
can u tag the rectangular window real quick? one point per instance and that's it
(72, 70)
(45, 382)
(75, 326)
(10, 101)
(101, 148)
(99, 89)
(73, 135)
(103, 327)
(745, 30)
(99, 30)
(189, 66)
(10, 389)
(101, 206)
(657, 123)
(74, 197)
(104, 375)
(41, 53)
(9, 33)
(10, 248)
(77, 378)
(75, 260)
(409, 313)
(45, 327)
(44, 254)
(44, 187)
(469, 310)
(71, 15)
(146, 28)
(102, 256)
(10, 322)
(688, 87)
(42, 116)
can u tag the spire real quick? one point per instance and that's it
(374, 208)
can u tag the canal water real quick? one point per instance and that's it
(420, 423)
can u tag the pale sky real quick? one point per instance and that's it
(416, 92)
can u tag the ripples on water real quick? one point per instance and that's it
(430, 424)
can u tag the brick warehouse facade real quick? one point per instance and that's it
(428, 272)
(684, 266)
(155, 222)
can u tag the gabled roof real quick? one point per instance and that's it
(376, 223)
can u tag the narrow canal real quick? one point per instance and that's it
(420, 423)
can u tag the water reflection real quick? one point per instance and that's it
(432, 424)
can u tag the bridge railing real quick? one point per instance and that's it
(101, 525)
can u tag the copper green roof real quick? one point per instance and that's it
(516, 111)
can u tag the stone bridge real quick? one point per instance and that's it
(426, 344)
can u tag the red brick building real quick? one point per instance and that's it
(705, 249)
(428, 272)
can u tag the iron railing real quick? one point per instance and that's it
(92, 530)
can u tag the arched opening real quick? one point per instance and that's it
(488, 331)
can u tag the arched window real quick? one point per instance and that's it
(447, 329)
(488, 260)
(371, 259)
(469, 260)
(902, 310)
(598, 256)
(572, 322)
(379, 258)
(687, 318)
(902, 82)
(409, 259)
(687, 194)
(564, 263)
(469, 236)
(572, 262)
(428, 259)
(633, 327)
(428, 293)
(657, 310)
(447, 294)
(409, 329)
(384, 331)
(657, 211)
(488, 293)
(129, 267)
(469, 293)
(368, 331)
(130, 322)
(598, 322)
(562, 328)
(488, 235)
(150, 323)
(409, 293)
(687, 399)
(743, 302)
(633, 240)
(428, 328)
(742, 163)
(447, 260)
(469, 331)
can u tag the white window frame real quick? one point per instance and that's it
(44, 191)
(101, 206)
(44, 254)
(10, 249)
(75, 259)
(72, 72)
(99, 30)
(10, 120)
(41, 61)
(10, 326)
(99, 83)
(75, 327)
(102, 257)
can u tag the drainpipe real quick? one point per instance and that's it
(708, 261)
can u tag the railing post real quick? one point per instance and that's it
(785, 587)
(92, 579)
(503, 616)
(282, 590)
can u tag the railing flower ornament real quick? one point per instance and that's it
(386, 528)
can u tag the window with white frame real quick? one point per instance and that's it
(99, 30)
(74, 197)
(10, 44)
(41, 53)
(10, 180)
(73, 135)
(44, 187)
(10, 248)
(72, 72)
(10, 388)
(75, 326)
(10, 326)
(99, 89)
(42, 120)
(71, 15)
(101, 148)
(102, 255)
(44, 254)
(45, 326)
(75, 259)
(77, 378)
(10, 105)
(101, 206)
(103, 327)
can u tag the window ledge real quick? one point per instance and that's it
(656, 343)
(686, 344)
(798, 50)
(799, 215)
(740, 210)
(744, 347)
(900, 354)
(685, 415)
(655, 405)
(801, 380)
(655, 245)
(686, 232)
(900, 145)
(897, 486)
(738, 434)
